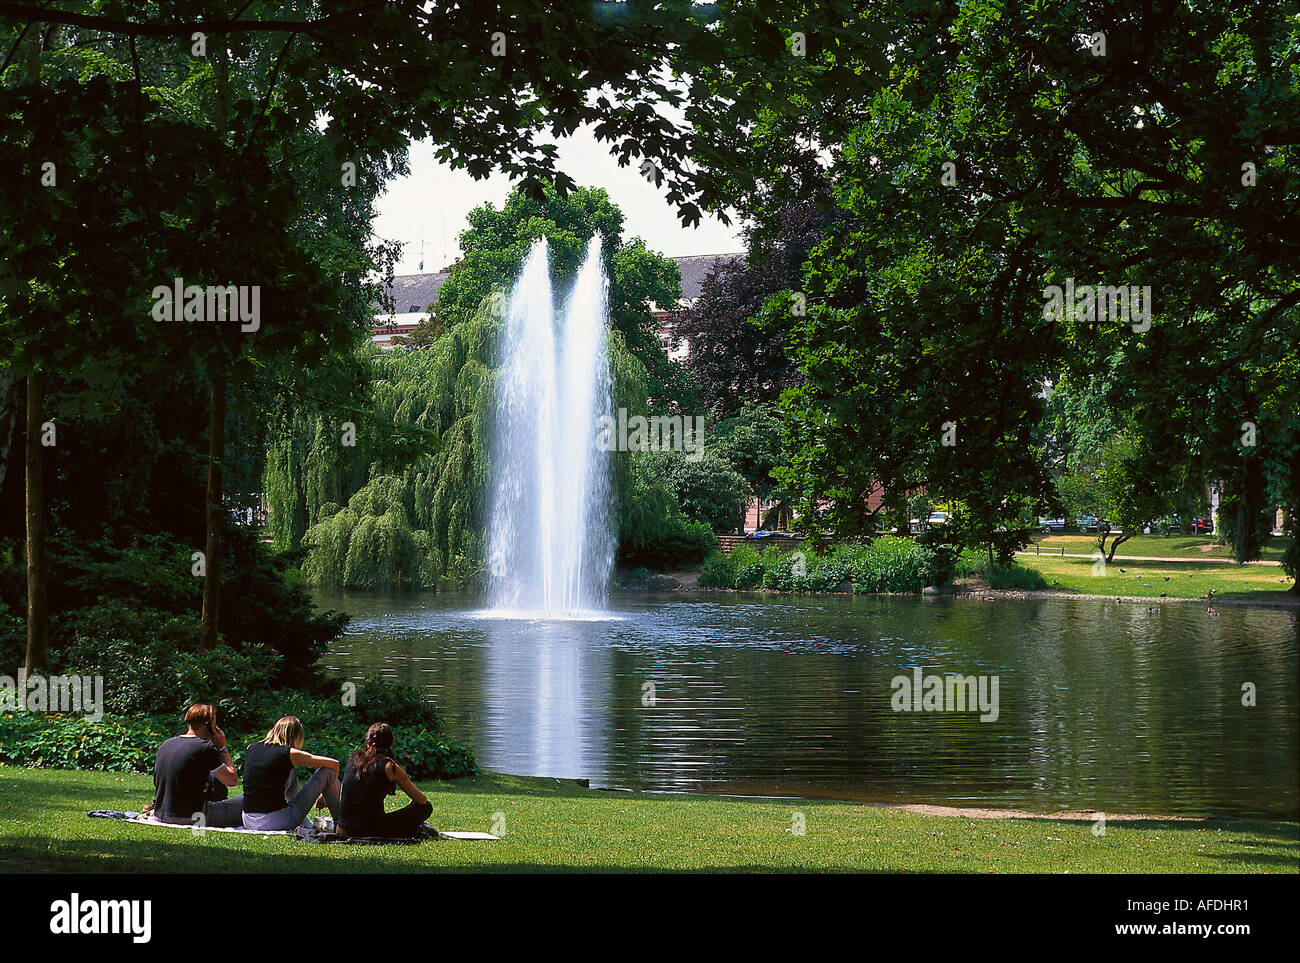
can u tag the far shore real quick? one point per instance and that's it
(688, 585)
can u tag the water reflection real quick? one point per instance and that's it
(1103, 705)
(548, 688)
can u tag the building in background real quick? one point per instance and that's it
(413, 294)
(693, 270)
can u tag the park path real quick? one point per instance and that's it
(1148, 558)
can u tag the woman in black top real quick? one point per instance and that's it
(272, 799)
(371, 777)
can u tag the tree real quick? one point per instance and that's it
(708, 489)
(497, 241)
(1128, 476)
(736, 360)
(752, 442)
(997, 153)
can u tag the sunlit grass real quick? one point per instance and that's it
(1177, 580)
(551, 826)
(1160, 546)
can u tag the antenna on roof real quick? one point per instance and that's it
(421, 254)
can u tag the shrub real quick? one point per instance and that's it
(333, 729)
(238, 681)
(1015, 577)
(971, 563)
(748, 569)
(829, 573)
(709, 489)
(13, 639)
(894, 565)
(789, 571)
(139, 675)
(40, 741)
(718, 571)
(379, 700)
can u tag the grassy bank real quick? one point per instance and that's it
(1159, 546)
(552, 826)
(1177, 580)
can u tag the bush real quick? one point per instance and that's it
(139, 676)
(40, 741)
(237, 681)
(973, 563)
(379, 700)
(13, 639)
(1015, 577)
(718, 571)
(150, 665)
(897, 565)
(333, 729)
(748, 569)
(889, 565)
(709, 490)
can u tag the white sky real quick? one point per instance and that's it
(432, 204)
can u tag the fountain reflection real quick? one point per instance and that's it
(547, 686)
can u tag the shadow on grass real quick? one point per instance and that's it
(49, 855)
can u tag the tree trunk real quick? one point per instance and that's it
(1114, 545)
(38, 626)
(9, 409)
(38, 616)
(216, 521)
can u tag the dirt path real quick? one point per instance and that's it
(964, 813)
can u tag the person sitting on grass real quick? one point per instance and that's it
(371, 776)
(272, 800)
(193, 773)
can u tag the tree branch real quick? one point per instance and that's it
(40, 14)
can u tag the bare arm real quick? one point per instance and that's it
(226, 773)
(300, 758)
(398, 775)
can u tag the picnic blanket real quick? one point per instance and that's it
(309, 835)
(143, 820)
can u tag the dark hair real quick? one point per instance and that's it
(200, 715)
(378, 746)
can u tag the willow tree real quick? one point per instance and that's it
(375, 514)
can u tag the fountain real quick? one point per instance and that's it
(550, 536)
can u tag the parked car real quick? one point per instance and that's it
(1049, 526)
(1202, 526)
(937, 518)
(1088, 523)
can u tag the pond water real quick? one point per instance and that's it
(1101, 705)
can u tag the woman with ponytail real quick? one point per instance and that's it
(371, 776)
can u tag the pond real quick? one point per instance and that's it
(1100, 705)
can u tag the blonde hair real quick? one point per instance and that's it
(286, 732)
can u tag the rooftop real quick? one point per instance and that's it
(413, 293)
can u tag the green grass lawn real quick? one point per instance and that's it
(550, 826)
(1164, 546)
(1186, 580)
